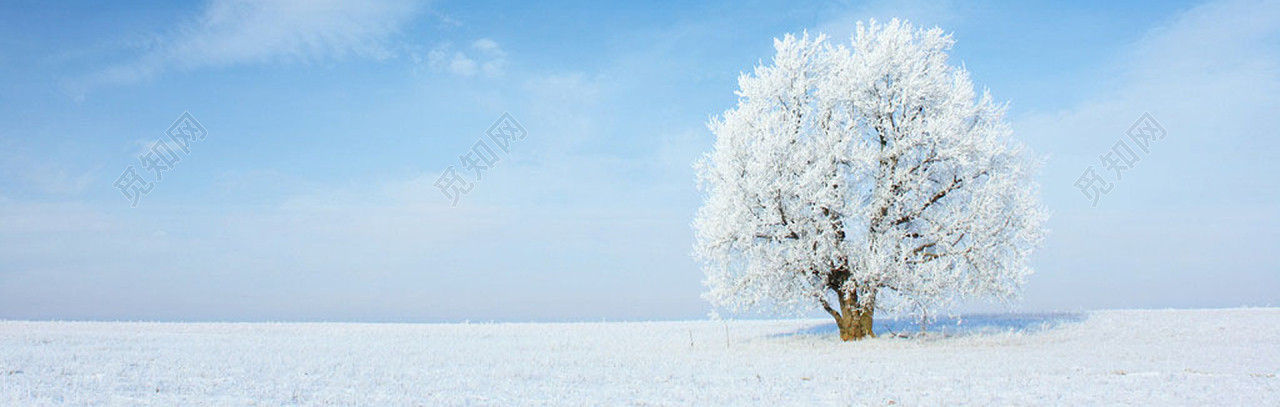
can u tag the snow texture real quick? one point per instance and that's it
(1168, 357)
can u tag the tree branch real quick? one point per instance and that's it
(827, 306)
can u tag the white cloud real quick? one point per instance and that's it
(461, 65)
(445, 21)
(483, 58)
(238, 32)
(495, 57)
(487, 46)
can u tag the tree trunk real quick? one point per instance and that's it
(855, 319)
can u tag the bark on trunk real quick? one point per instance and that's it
(855, 319)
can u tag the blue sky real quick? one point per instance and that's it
(328, 121)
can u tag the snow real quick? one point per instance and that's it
(1176, 357)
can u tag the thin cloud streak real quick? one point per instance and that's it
(241, 32)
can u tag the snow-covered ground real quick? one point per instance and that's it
(1180, 357)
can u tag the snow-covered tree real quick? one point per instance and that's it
(868, 173)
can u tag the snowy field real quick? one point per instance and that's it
(1178, 357)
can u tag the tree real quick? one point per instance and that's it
(868, 173)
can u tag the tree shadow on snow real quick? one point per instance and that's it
(960, 325)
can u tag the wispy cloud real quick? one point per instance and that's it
(18, 164)
(446, 21)
(483, 58)
(239, 32)
(1210, 77)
